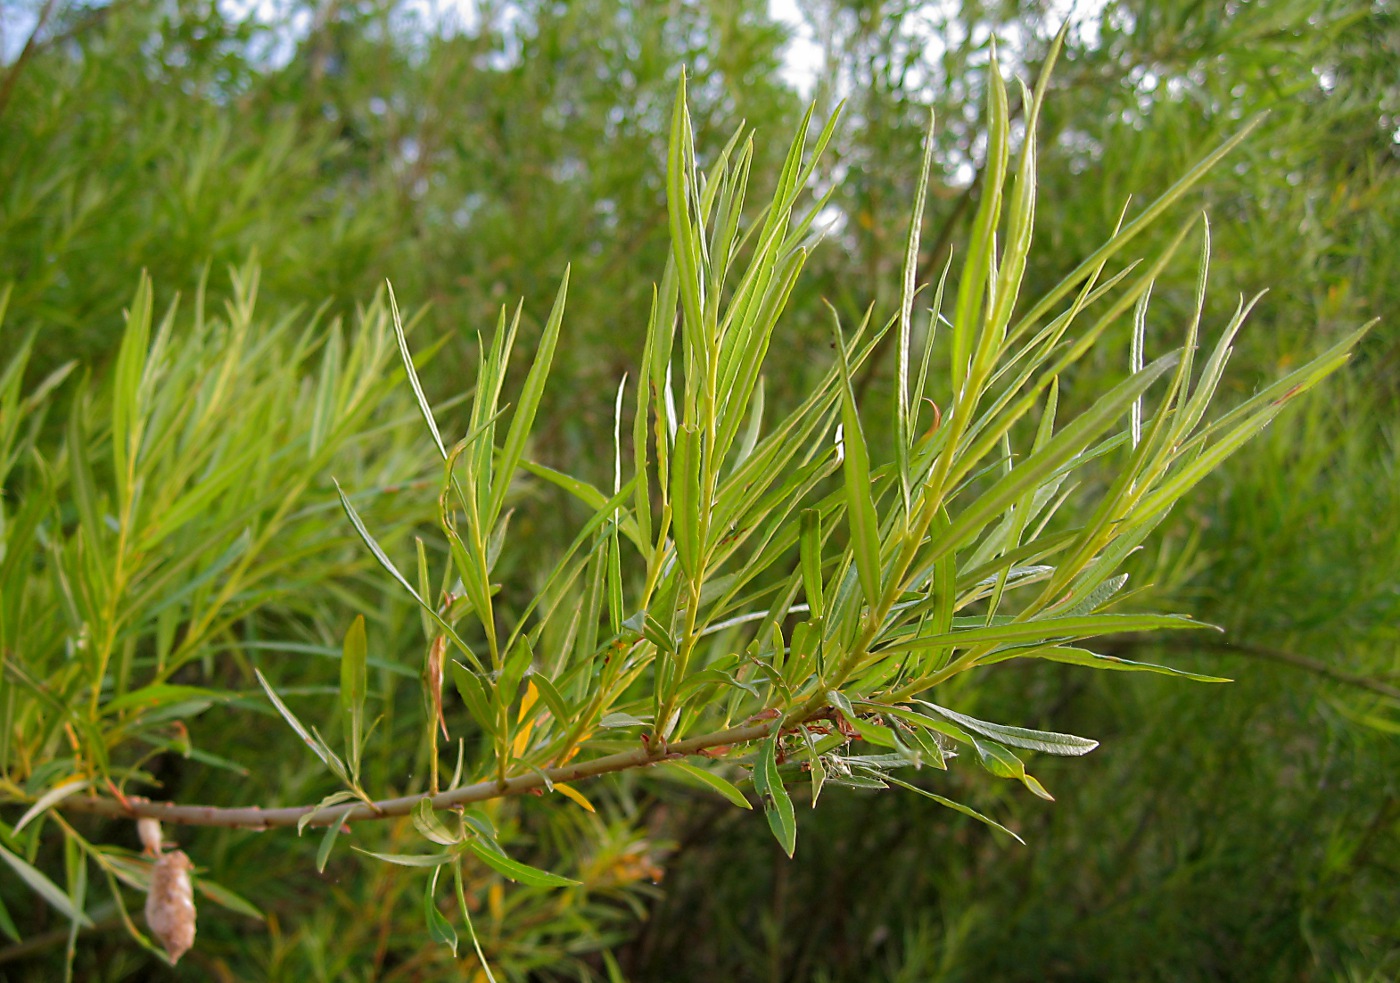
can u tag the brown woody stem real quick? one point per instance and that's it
(254, 817)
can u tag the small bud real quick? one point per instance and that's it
(170, 904)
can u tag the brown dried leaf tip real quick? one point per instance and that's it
(170, 904)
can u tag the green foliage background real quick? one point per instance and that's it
(1243, 832)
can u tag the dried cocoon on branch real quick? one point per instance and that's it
(170, 904)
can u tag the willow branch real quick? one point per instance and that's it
(255, 817)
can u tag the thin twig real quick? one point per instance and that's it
(58, 936)
(7, 88)
(1263, 652)
(254, 817)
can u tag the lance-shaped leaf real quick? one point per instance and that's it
(686, 244)
(407, 357)
(811, 555)
(530, 395)
(1045, 629)
(410, 859)
(1045, 741)
(777, 805)
(709, 778)
(860, 505)
(388, 565)
(45, 888)
(465, 909)
(1001, 762)
(1082, 657)
(956, 806)
(903, 407)
(353, 661)
(48, 800)
(309, 738)
(473, 694)
(1147, 218)
(439, 928)
(685, 499)
(1060, 450)
(978, 276)
(517, 871)
(426, 821)
(328, 838)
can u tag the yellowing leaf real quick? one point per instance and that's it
(522, 739)
(574, 794)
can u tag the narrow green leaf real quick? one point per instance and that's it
(439, 928)
(903, 407)
(968, 345)
(720, 785)
(7, 924)
(815, 765)
(465, 909)
(1149, 215)
(606, 507)
(85, 496)
(388, 565)
(655, 632)
(943, 588)
(47, 801)
(410, 859)
(412, 373)
(516, 871)
(45, 888)
(1082, 657)
(131, 360)
(839, 701)
(163, 694)
(474, 696)
(617, 720)
(353, 679)
(335, 798)
(685, 243)
(328, 838)
(1098, 597)
(426, 821)
(811, 555)
(1059, 451)
(776, 803)
(860, 505)
(1047, 742)
(1003, 763)
(956, 806)
(685, 498)
(530, 395)
(225, 898)
(1022, 632)
(552, 697)
(317, 746)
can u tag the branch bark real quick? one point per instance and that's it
(255, 817)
